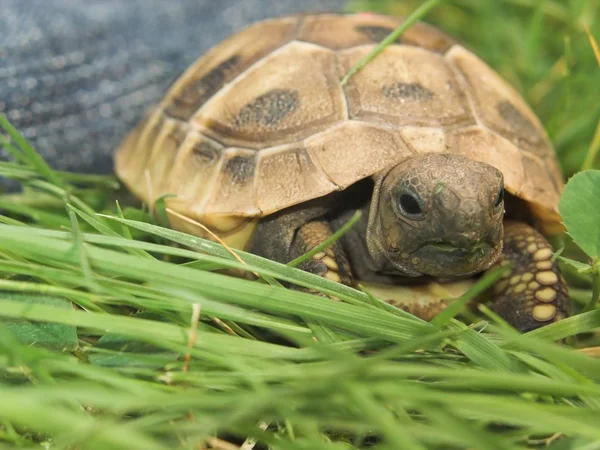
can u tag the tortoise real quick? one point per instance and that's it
(261, 143)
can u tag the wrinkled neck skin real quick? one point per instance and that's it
(455, 229)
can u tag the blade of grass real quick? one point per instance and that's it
(327, 242)
(25, 172)
(594, 148)
(593, 44)
(418, 14)
(83, 299)
(38, 215)
(62, 193)
(12, 151)
(107, 231)
(161, 334)
(480, 350)
(81, 252)
(80, 427)
(261, 265)
(228, 289)
(480, 286)
(380, 417)
(33, 158)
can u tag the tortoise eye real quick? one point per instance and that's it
(499, 197)
(410, 205)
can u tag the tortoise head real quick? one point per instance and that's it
(438, 215)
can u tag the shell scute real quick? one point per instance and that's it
(405, 86)
(498, 105)
(136, 152)
(158, 171)
(223, 63)
(368, 148)
(234, 187)
(292, 94)
(342, 32)
(488, 147)
(285, 173)
(198, 165)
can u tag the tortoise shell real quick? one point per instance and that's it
(261, 122)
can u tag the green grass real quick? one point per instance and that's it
(99, 348)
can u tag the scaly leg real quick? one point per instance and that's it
(285, 237)
(331, 263)
(534, 293)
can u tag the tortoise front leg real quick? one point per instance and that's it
(332, 263)
(285, 237)
(534, 292)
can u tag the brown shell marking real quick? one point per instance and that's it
(261, 121)
(234, 186)
(288, 96)
(199, 162)
(498, 105)
(222, 63)
(268, 109)
(329, 31)
(404, 86)
(407, 91)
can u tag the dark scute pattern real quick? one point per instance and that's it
(410, 91)
(268, 109)
(187, 102)
(520, 124)
(375, 33)
(206, 153)
(178, 136)
(240, 169)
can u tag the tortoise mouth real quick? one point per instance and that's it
(442, 246)
(446, 259)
